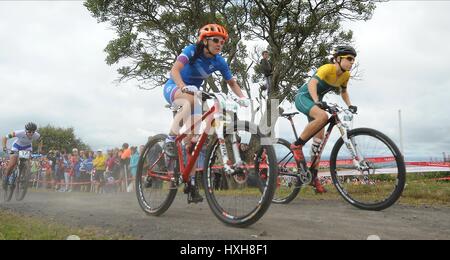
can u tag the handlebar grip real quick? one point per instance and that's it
(331, 110)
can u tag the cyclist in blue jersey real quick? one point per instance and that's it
(23, 142)
(194, 65)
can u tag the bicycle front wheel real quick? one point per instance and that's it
(377, 181)
(236, 198)
(4, 187)
(156, 177)
(22, 182)
(10, 186)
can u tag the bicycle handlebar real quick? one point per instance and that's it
(207, 95)
(331, 109)
(335, 108)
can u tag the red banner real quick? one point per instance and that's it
(431, 164)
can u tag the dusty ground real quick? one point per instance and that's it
(299, 220)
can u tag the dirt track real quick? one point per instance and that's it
(298, 220)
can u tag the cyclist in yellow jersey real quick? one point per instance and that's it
(308, 100)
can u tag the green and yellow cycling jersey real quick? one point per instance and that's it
(328, 80)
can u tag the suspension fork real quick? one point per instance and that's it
(357, 157)
(219, 129)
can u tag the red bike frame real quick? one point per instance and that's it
(191, 157)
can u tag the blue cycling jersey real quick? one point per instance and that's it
(202, 68)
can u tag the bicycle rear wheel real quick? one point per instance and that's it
(22, 181)
(379, 180)
(288, 183)
(156, 178)
(236, 198)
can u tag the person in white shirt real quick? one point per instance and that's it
(23, 142)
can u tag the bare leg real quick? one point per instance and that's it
(320, 119)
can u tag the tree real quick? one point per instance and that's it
(151, 34)
(299, 34)
(56, 138)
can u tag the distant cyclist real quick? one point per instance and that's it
(309, 101)
(23, 142)
(195, 64)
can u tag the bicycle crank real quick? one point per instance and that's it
(304, 175)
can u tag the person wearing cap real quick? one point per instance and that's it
(100, 167)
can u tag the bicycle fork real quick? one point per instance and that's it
(219, 129)
(357, 157)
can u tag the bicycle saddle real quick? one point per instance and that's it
(289, 114)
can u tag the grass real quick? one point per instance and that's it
(17, 227)
(417, 192)
(426, 192)
(420, 190)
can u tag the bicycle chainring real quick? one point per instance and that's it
(304, 174)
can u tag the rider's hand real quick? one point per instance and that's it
(189, 89)
(353, 109)
(321, 104)
(4, 149)
(243, 102)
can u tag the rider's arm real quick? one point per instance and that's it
(235, 87)
(5, 138)
(345, 97)
(176, 74)
(312, 88)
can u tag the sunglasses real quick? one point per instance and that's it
(217, 40)
(349, 58)
(30, 132)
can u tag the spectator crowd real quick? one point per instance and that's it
(84, 171)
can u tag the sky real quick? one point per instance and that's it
(53, 71)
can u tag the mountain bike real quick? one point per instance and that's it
(366, 166)
(231, 167)
(19, 178)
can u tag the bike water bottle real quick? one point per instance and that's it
(315, 147)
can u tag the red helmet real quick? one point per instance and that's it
(210, 30)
